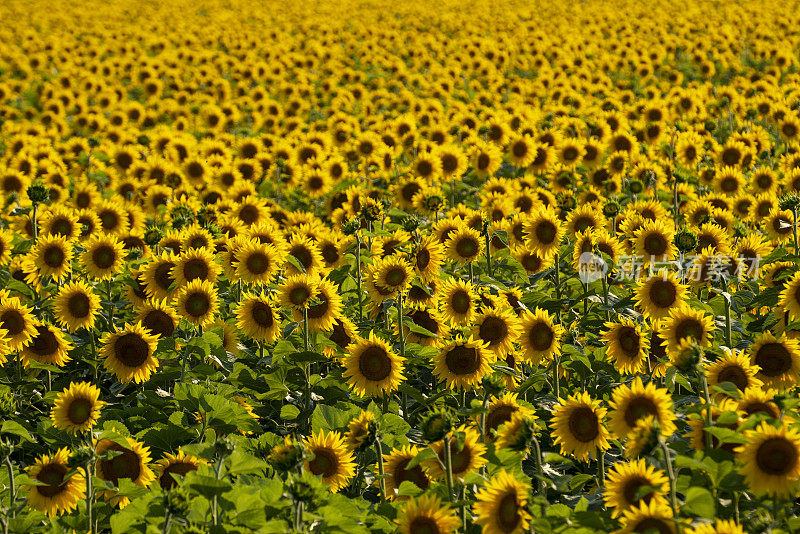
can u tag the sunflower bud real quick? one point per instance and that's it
(790, 201)
(37, 192)
(437, 424)
(611, 209)
(223, 447)
(351, 227)
(8, 404)
(6, 448)
(286, 456)
(80, 457)
(686, 356)
(153, 236)
(493, 384)
(434, 202)
(567, 203)
(685, 240)
(635, 186)
(177, 502)
(643, 439)
(302, 488)
(409, 223)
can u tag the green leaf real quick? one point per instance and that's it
(16, 429)
(242, 463)
(408, 489)
(699, 502)
(206, 485)
(423, 456)
(289, 412)
(579, 480)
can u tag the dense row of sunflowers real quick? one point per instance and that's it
(368, 267)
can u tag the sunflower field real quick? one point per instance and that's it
(361, 266)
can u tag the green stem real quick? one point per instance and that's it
(556, 379)
(605, 297)
(448, 467)
(110, 305)
(183, 362)
(34, 225)
(702, 377)
(728, 333)
(90, 496)
(488, 250)
(601, 468)
(298, 517)
(794, 230)
(167, 521)
(673, 497)
(558, 287)
(305, 329)
(381, 480)
(11, 486)
(537, 460)
(358, 278)
(736, 507)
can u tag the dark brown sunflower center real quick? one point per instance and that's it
(303, 256)
(631, 490)
(248, 214)
(497, 416)
(340, 336)
(493, 330)
(541, 336)
(13, 322)
(159, 323)
(54, 256)
(317, 311)
(131, 350)
(583, 424)
(508, 517)
(53, 476)
(655, 244)
(104, 257)
(396, 276)
(774, 359)
(78, 305)
(167, 481)
(629, 341)
(735, 375)
(325, 463)
(423, 524)
(689, 328)
(467, 247)
(663, 293)
(79, 410)
(163, 276)
(639, 407)
(197, 304)
(195, 268)
(330, 253)
(414, 475)
(460, 301)
(460, 459)
(423, 258)
(124, 465)
(545, 232)
(520, 149)
(462, 360)
(45, 342)
(650, 524)
(299, 295)
(374, 364)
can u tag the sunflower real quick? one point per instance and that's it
(790, 297)
(197, 302)
(76, 306)
(55, 493)
(757, 400)
(648, 517)
(697, 424)
(733, 367)
(464, 245)
(341, 334)
(129, 353)
(498, 329)
(685, 322)
(458, 301)
(48, 345)
(298, 292)
(18, 322)
(427, 513)
(396, 467)
(770, 460)
(77, 408)
(157, 317)
(52, 256)
(103, 257)
(466, 458)
(660, 294)
(129, 462)
(544, 231)
(256, 263)
(306, 253)
(720, 526)
(462, 363)
(371, 367)
(631, 402)
(540, 337)
(779, 224)
(258, 318)
(499, 411)
(175, 464)
(6, 244)
(626, 346)
(195, 264)
(157, 275)
(328, 308)
(578, 426)
(585, 219)
(502, 506)
(361, 431)
(329, 458)
(522, 151)
(653, 242)
(392, 273)
(778, 360)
